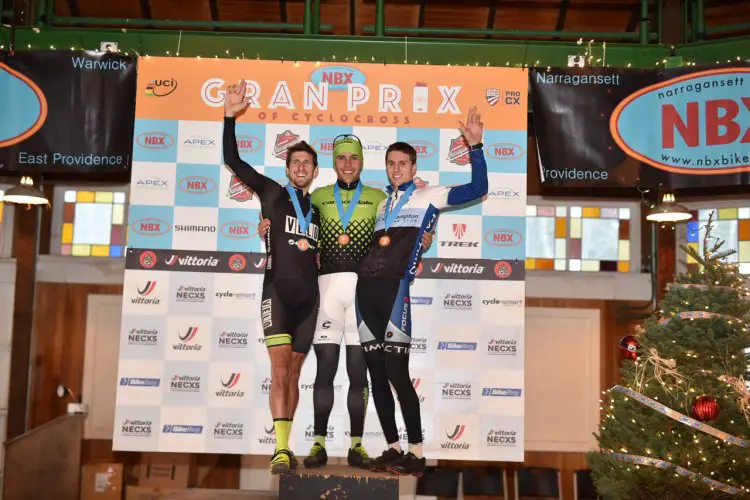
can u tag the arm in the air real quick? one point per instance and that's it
(247, 174)
(478, 187)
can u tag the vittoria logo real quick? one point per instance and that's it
(284, 141)
(455, 436)
(238, 191)
(453, 390)
(270, 436)
(144, 294)
(136, 428)
(143, 336)
(229, 430)
(185, 383)
(459, 152)
(191, 294)
(233, 340)
(502, 347)
(229, 387)
(501, 437)
(187, 340)
(191, 261)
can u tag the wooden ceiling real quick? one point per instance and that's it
(351, 16)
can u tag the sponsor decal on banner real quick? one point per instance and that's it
(193, 360)
(137, 428)
(40, 134)
(501, 437)
(500, 392)
(683, 127)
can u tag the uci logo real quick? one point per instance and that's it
(26, 104)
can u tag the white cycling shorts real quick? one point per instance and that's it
(336, 315)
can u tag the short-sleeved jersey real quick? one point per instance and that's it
(285, 260)
(334, 257)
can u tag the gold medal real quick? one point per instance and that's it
(303, 244)
(384, 241)
(344, 239)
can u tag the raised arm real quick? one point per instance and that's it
(472, 132)
(235, 103)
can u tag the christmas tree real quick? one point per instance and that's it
(678, 424)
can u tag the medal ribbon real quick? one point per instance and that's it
(304, 222)
(346, 215)
(391, 216)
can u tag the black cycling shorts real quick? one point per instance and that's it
(288, 312)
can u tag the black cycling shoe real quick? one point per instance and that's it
(318, 457)
(409, 465)
(388, 457)
(358, 457)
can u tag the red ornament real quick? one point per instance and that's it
(629, 347)
(705, 408)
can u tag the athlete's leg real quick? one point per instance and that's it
(398, 345)
(301, 342)
(374, 299)
(278, 339)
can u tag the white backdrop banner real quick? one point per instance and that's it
(194, 375)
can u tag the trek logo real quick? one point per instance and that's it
(196, 184)
(192, 261)
(238, 230)
(504, 151)
(161, 88)
(229, 387)
(457, 346)
(503, 237)
(459, 230)
(154, 140)
(500, 392)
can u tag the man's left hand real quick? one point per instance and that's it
(472, 130)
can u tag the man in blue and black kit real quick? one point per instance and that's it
(382, 295)
(289, 304)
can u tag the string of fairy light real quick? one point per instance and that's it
(592, 59)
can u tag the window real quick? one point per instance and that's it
(730, 224)
(90, 222)
(582, 237)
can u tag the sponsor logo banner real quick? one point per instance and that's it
(679, 127)
(40, 134)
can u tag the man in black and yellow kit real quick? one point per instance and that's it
(289, 303)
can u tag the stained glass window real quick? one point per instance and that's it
(93, 224)
(732, 225)
(575, 238)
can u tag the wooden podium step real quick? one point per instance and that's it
(337, 482)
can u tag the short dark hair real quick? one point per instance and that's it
(402, 147)
(301, 147)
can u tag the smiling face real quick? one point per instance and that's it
(400, 167)
(348, 167)
(301, 170)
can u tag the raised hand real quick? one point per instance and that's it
(235, 101)
(472, 130)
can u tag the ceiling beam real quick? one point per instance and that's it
(635, 16)
(562, 15)
(282, 11)
(422, 9)
(352, 17)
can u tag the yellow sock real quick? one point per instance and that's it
(282, 434)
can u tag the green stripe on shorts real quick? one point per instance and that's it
(278, 339)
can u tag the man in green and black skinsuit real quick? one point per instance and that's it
(347, 221)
